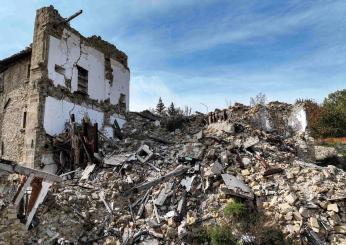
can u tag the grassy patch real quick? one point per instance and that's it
(235, 208)
(221, 234)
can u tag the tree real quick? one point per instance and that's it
(160, 107)
(314, 114)
(171, 110)
(333, 119)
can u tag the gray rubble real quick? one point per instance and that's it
(190, 174)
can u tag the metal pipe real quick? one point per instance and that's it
(70, 18)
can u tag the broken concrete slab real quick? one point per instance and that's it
(164, 194)
(216, 168)
(236, 187)
(250, 141)
(144, 153)
(187, 182)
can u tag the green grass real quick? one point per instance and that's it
(221, 235)
(235, 208)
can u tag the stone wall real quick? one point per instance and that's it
(45, 83)
(31, 79)
(16, 75)
(13, 120)
(13, 107)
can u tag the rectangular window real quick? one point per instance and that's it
(24, 119)
(59, 69)
(82, 80)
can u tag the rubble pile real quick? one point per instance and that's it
(12, 231)
(156, 184)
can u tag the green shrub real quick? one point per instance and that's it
(202, 236)
(333, 118)
(221, 235)
(272, 236)
(235, 208)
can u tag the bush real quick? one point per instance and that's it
(333, 118)
(328, 119)
(221, 235)
(272, 236)
(235, 208)
(173, 123)
(314, 113)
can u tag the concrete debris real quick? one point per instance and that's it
(144, 191)
(236, 187)
(216, 168)
(144, 153)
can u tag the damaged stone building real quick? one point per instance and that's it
(60, 74)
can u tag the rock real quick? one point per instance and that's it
(324, 152)
(285, 208)
(340, 229)
(314, 224)
(333, 207)
(291, 198)
(245, 172)
(246, 161)
(216, 168)
(224, 157)
(191, 218)
(250, 141)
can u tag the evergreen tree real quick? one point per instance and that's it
(160, 107)
(171, 110)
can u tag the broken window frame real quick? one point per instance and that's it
(83, 75)
(59, 69)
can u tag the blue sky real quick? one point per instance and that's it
(207, 53)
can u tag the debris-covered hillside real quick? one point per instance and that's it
(168, 180)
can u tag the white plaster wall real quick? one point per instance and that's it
(121, 83)
(68, 52)
(57, 112)
(297, 119)
(49, 163)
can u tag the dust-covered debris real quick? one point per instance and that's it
(131, 198)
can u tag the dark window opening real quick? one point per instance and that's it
(122, 98)
(2, 148)
(82, 80)
(108, 69)
(28, 71)
(24, 119)
(1, 83)
(59, 69)
(122, 102)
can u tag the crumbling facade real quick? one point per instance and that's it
(62, 73)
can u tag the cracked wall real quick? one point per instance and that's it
(64, 55)
(46, 87)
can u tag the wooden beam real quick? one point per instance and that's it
(23, 190)
(144, 186)
(39, 200)
(19, 169)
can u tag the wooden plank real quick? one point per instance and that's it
(87, 171)
(39, 200)
(144, 186)
(22, 191)
(19, 169)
